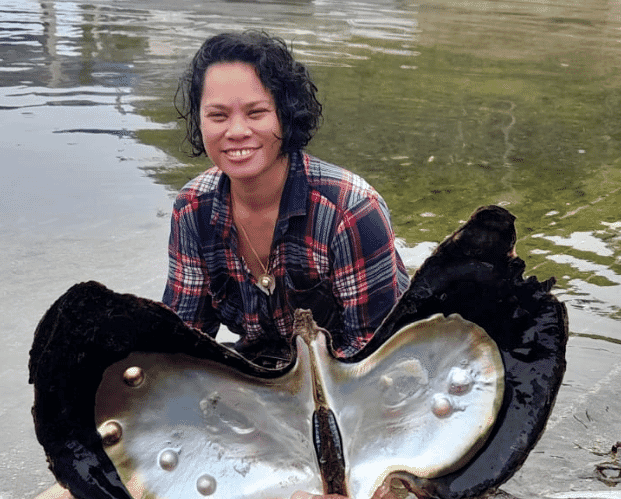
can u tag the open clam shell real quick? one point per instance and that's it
(423, 403)
(474, 273)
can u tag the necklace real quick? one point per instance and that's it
(265, 282)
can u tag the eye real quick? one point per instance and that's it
(216, 116)
(258, 113)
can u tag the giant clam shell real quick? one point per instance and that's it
(474, 273)
(423, 403)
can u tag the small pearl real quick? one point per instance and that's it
(460, 381)
(206, 485)
(266, 281)
(168, 460)
(441, 406)
(133, 376)
(111, 433)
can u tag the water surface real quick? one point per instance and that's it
(442, 106)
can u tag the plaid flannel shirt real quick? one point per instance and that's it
(333, 252)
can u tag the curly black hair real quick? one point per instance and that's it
(288, 81)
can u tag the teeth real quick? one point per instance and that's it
(239, 152)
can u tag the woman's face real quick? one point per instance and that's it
(239, 123)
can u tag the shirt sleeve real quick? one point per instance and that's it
(369, 275)
(186, 289)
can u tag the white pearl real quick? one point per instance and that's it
(168, 459)
(206, 485)
(441, 406)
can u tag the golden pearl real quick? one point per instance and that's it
(133, 376)
(111, 433)
(266, 281)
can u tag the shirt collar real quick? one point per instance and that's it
(295, 193)
(221, 216)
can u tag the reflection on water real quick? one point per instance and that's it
(443, 106)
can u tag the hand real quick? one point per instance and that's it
(399, 486)
(384, 491)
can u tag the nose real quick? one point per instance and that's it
(238, 127)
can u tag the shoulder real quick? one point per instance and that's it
(338, 185)
(200, 188)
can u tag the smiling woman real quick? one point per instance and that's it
(241, 134)
(270, 229)
(239, 125)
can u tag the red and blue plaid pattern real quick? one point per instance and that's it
(333, 253)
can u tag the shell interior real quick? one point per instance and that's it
(423, 403)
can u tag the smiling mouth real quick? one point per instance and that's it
(239, 153)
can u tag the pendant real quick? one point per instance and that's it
(266, 283)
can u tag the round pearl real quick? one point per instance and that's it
(168, 460)
(266, 281)
(206, 485)
(111, 433)
(133, 376)
(441, 406)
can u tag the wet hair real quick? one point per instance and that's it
(288, 81)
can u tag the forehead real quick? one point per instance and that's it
(226, 82)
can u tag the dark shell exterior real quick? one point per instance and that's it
(474, 273)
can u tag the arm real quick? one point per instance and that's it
(369, 276)
(186, 289)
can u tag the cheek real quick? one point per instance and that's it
(209, 135)
(210, 146)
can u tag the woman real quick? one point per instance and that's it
(269, 228)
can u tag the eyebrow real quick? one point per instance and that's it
(261, 102)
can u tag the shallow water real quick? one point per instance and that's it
(442, 106)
